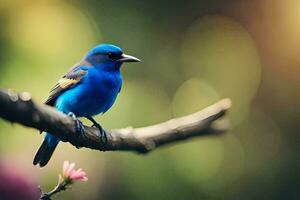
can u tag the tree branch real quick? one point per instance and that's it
(22, 109)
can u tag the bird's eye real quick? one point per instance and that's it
(113, 55)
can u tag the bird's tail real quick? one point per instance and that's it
(45, 151)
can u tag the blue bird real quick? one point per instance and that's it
(88, 89)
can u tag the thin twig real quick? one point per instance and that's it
(61, 186)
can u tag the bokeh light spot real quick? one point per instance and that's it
(198, 161)
(220, 51)
(193, 95)
(46, 30)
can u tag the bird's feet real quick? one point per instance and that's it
(101, 130)
(78, 124)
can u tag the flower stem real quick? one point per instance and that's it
(60, 186)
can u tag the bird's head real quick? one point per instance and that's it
(108, 56)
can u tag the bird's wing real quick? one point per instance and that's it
(69, 80)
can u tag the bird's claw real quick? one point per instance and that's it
(78, 124)
(102, 132)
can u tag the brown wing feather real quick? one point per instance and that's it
(66, 82)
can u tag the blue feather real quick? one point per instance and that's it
(90, 93)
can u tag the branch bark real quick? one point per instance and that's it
(20, 108)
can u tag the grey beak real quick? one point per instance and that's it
(128, 58)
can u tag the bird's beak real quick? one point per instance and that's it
(128, 58)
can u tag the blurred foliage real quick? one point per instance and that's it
(194, 53)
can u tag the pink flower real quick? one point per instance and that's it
(70, 174)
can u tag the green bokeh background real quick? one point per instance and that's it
(194, 53)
